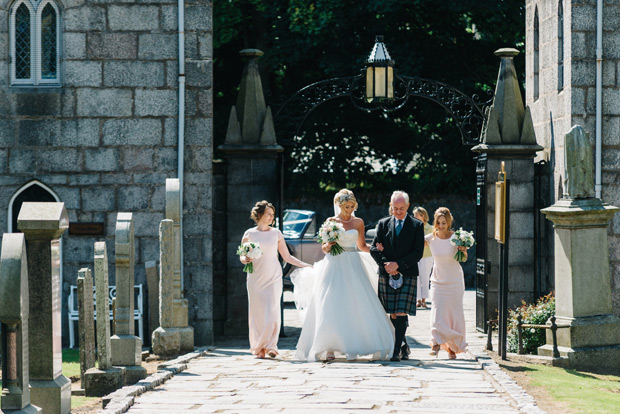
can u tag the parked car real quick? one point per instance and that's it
(300, 230)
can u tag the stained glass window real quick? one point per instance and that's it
(48, 43)
(22, 42)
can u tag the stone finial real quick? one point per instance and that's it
(103, 305)
(43, 220)
(579, 164)
(14, 310)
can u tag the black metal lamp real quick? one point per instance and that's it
(379, 73)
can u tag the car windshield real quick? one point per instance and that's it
(294, 223)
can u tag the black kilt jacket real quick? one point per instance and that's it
(406, 249)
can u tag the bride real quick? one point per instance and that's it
(344, 314)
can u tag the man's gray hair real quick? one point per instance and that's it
(399, 194)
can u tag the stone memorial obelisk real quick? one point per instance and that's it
(42, 225)
(589, 333)
(86, 321)
(14, 310)
(106, 378)
(126, 347)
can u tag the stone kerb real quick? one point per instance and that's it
(86, 320)
(14, 308)
(126, 347)
(42, 225)
(106, 378)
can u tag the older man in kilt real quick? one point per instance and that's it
(397, 248)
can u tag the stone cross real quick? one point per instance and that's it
(42, 225)
(126, 347)
(579, 164)
(105, 379)
(14, 310)
(86, 321)
(152, 281)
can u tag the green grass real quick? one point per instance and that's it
(583, 392)
(71, 362)
(80, 401)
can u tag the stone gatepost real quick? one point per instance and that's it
(126, 347)
(251, 152)
(14, 318)
(152, 282)
(508, 135)
(168, 339)
(590, 337)
(106, 378)
(86, 321)
(42, 225)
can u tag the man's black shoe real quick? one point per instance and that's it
(395, 358)
(404, 352)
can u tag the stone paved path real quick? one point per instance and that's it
(229, 380)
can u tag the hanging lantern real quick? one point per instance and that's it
(379, 73)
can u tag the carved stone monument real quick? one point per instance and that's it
(589, 334)
(106, 378)
(126, 347)
(152, 282)
(42, 225)
(14, 318)
(86, 321)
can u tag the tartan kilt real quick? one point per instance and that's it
(401, 300)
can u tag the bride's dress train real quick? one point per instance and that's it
(342, 311)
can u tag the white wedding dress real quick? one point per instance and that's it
(343, 313)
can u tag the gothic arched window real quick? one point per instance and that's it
(35, 42)
(560, 46)
(536, 55)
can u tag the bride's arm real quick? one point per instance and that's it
(283, 250)
(361, 237)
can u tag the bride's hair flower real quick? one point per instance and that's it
(344, 196)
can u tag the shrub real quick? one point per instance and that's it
(536, 314)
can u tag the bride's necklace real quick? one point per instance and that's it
(344, 221)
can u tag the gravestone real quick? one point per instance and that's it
(42, 225)
(86, 321)
(589, 333)
(126, 347)
(106, 378)
(14, 310)
(152, 282)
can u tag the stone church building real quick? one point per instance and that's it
(89, 110)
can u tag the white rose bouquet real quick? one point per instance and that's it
(252, 251)
(331, 231)
(462, 238)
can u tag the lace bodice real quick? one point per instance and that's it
(349, 240)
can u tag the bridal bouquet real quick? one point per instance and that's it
(331, 231)
(462, 238)
(252, 251)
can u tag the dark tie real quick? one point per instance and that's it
(399, 226)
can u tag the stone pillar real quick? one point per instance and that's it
(251, 152)
(106, 378)
(152, 282)
(86, 321)
(168, 339)
(590, 337)
(508, 135)
(126, 347)
(14, 310)
(42, 225)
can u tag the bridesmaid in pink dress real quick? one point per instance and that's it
(447, 288)
(265, 283)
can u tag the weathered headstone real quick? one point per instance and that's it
(86, 321)
(126, 347)
(152, 282)
(42, 225)
(14, 317)
(589, 334)
(105, 379)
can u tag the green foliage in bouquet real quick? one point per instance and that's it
(536, 314)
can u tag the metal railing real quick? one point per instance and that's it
(492, 323)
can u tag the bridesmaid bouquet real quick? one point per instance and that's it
(331, 231)
(462, 238)
(252, 251)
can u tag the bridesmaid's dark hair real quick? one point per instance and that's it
(258, 211)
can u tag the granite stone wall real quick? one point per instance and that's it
(106, 139)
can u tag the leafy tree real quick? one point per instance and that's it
(416, 148)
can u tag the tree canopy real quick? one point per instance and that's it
(416, 148)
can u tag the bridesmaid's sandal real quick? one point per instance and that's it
(330, 356)
(272, 353)
(451, 355)
(261, 355)
(435, 350)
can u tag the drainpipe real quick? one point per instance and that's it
(181, 118)
(599, 88)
